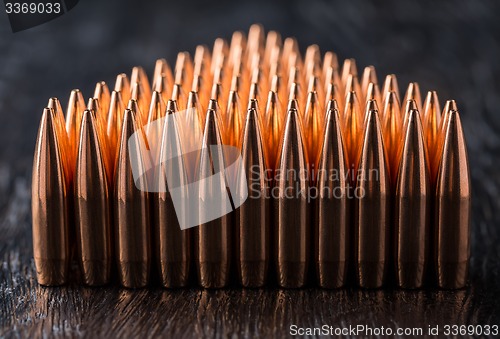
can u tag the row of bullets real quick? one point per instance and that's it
(403, 212)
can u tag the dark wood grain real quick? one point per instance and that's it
(450, 46)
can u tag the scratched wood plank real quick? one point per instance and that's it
(450, 46)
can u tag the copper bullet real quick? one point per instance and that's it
(183, 70)
(172, 245)
(131, 207)
(369, 76)
(74, 112)
(101, 93)
(453, 208)
(348, 68)
(49, 203)
(291, 206)
(413, 92)
(223, 83)
(331, 241)
(190, 123)
(332, 76)
(252, 217)
(391, 128)
(412, 207)
(233, 120)
(391, 85)
(162, 86)
(449, 106)
(212, 238)
(332, 92)
(162, 70)
(114, 124)
(63, 140)
(312, 60)
(373, 93)
(201, 61)
(122, 85)
(101, 123)
(372, 207)
(330, 60)
(139, 76)
(143, 101)
(409, 105)
(134, 107)
(92, 206)
(219, 50)
(352, 85)
(154, 128)
(179, 96)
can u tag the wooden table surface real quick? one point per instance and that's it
(453, 47)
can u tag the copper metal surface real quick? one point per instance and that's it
(131, 207)
(252, 218)
(372, 208)
(412, 208)
(273, 128)
(331, 240)
(212, 243)
(313, 128)
(430, 123)
(92, 206)
(391, 158)
(49, 204)
(76, 106)
(172, 245)
(353, 127)
(392, 126)
(453, 208)
(114, 123)
(291, 207)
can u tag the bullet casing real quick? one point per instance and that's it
(172, 244)
(412, 208)
(372, 208)
(213, 238)
(453, 208)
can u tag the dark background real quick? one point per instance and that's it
(450, 46)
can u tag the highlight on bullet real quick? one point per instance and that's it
(372, 208)
(252, 218)
(453, 208)
(291, 207)
(332, 217)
